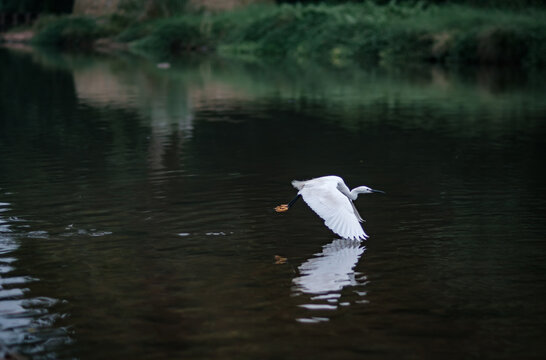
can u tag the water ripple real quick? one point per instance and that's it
(24, 319)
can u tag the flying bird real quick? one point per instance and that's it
(332, 200)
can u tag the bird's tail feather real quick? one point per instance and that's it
(298, 184)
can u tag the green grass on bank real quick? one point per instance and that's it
(333, 33)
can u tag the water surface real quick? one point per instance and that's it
(136, 210)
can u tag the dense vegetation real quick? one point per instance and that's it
(67, 31)
(513, 4)
(335, 33)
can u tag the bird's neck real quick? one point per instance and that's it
(358, 190)
(354, 194)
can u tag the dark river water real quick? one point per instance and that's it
(137, 221)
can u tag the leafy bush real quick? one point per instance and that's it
(134, 32)
(67, 31)
(171, 36)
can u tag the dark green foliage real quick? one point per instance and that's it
(149, 9)
(67, 31)
(134, 32)
(171, 36)
(388, 33)
(510, 4)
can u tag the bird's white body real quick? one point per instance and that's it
(332, 200)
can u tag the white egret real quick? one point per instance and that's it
(332, 200)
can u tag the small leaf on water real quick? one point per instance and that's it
(280, 260)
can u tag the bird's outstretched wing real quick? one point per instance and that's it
(335, 209)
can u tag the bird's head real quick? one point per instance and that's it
(366, 190)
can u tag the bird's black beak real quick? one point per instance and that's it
(377, 191)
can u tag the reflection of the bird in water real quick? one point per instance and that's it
(325, 275)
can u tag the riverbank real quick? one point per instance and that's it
(453, 34)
